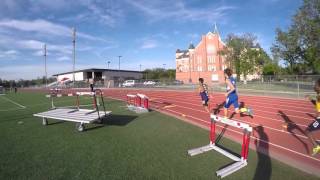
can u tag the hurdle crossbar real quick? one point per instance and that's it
(231, 122)
(241, 160)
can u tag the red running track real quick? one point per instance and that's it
(289, 145)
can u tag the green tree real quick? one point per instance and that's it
(244, 54)
(159, 74)
(299, 47)
(286, 47)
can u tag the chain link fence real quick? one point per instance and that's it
(292, 86)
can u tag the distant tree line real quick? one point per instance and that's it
(159, 74)
(26, 83)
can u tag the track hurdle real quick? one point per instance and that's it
(54, 93)
(144, 103)
(138, 103)
(131, 101)
(241, 161)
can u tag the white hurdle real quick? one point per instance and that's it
(241, 161)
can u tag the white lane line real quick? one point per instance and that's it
(13, 102)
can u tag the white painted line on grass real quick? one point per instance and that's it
(11, 109)
(13, 102)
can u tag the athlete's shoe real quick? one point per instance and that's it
(250, 111)
(243, 110)
(316, 150)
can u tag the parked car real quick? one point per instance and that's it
(128, 83)
(149, 83)
(177, 82)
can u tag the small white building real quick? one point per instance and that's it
(99, 75)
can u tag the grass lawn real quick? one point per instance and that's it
(128, 146)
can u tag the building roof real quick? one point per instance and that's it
(184, 55)
(97, 70)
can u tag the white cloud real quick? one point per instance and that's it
(44, 27)
(38, 45)
(38, 53)
(107, 12)
(8, 54)
(64, 58)
(149, 44)
(15, 72)
(177, 10)
(11, 52)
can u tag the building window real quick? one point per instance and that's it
(211, 59)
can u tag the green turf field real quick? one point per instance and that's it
(128, 146)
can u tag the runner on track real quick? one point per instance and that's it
(315, 125)
(203, 91)
(232, 96)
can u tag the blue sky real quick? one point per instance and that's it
(141, 31)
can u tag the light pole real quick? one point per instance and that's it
(74, 52)
(140, 67)
(119, 62)
(164, 66)
(108, 64)
(45, 62)
(190, 80)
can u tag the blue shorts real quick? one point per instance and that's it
(204, 98)
(315, 125)
(232, 99)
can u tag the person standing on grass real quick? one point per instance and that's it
(203, 91)
(315, 125)
(91, 81)
(232, 96)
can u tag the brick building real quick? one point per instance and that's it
(202, 61)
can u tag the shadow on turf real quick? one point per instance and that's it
(290, 126)
(55, 122)
(263, 169)
(112, 120)
(118, 120)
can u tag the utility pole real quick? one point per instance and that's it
(45, 62)
(164, 66)
(74, 52)
(140, 67)
(119, 62)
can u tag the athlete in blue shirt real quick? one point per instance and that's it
(232, 96)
